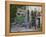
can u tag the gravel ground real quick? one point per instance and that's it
(16, 28)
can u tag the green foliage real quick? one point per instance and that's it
(13, 10)
(40, 29)
(19, 19)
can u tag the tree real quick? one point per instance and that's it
(32, 18)
(13, 10)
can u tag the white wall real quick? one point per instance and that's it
(2, 18)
